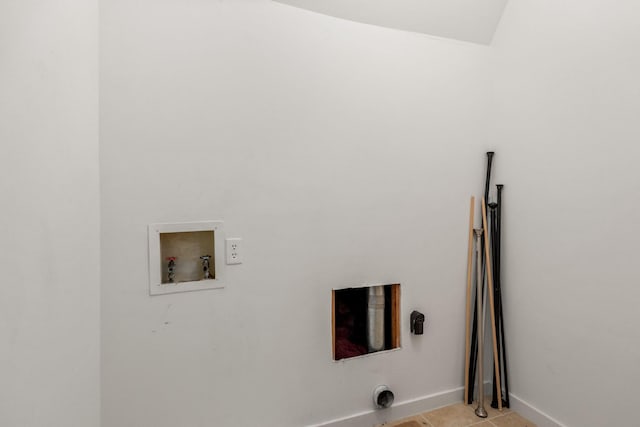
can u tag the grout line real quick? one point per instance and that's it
(426, 420)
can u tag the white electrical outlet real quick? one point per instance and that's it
(234, 250)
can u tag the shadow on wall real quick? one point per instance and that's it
(467, 20)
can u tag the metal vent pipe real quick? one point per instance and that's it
(375, 318)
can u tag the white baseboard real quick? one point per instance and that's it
(398, 411)
(430, 402)
(532, 413)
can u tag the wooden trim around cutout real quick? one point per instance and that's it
(333, 324)
(395, 315)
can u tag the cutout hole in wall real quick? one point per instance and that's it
(185, 254)
(365, 320)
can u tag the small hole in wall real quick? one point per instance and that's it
(365, 320)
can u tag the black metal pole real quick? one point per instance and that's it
(505, 375)
(496, 309)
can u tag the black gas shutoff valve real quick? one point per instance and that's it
(417, 322)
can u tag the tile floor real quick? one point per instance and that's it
(460, 415)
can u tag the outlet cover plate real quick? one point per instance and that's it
(234, 250)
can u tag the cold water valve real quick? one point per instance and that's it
(171, 269)
(206, 269)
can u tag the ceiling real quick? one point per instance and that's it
(468, 20)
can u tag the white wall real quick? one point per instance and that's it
(566, 98)
(49, 228)
(342, 153)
